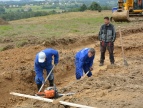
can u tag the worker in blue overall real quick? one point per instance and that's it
(84, 61)
(43, 61)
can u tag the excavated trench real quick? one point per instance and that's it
(107, 86)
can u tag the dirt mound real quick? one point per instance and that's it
(7, 47)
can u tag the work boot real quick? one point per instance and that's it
(51, 83)
(101, 64)
(39, 86)
(112, 63)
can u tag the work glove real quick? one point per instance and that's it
(110, 43)
(102, 43)
(91, 69)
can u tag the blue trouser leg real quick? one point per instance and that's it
(86, 68)
(37, 80)
(51, 77)
(48, 69)
(77, 73)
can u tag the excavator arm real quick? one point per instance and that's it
(128, 5)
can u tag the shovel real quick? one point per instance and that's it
(85, 75)
(46, 79)
(123, 54)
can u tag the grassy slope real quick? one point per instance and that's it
(67, 24)
(60, 25)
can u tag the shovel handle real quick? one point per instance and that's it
(46, 79)
(121, 39)
(86, 74)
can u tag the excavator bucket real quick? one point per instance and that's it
(121, 16)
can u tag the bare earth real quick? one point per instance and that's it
(110, 86)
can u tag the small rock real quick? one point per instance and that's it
(102, 94)
(109, 90)
(22, 61)
(107, 87)
(8, 76)
(61, 106)
(6, 58)
(86, 87)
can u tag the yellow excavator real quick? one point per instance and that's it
(128, 10)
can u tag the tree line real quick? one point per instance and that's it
(21, 14)
(94, 7)
(9, 16)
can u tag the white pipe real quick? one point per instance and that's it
(75, 105)
(50, 100)
(32, 97)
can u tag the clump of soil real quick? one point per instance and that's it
(7, 47)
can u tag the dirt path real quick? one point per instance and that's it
(115, 87)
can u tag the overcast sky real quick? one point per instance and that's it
(9, 0)
(19, 0)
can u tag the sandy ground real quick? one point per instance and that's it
(115, 86)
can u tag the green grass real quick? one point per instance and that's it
(12, 9)
(21, 43)
(60, 25)
(34, 8)
(1, 48)
(6, 28)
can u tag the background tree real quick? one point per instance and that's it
(83, 8)
(2, 10)
(95, 6)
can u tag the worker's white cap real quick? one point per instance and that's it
(41, 57)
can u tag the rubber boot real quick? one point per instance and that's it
(51, 83)
(39, 86)
(101, 64)
(112, 63)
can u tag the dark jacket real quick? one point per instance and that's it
(107, 33)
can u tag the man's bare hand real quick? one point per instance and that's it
(91, 69)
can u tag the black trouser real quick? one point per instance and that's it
(110, 47)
